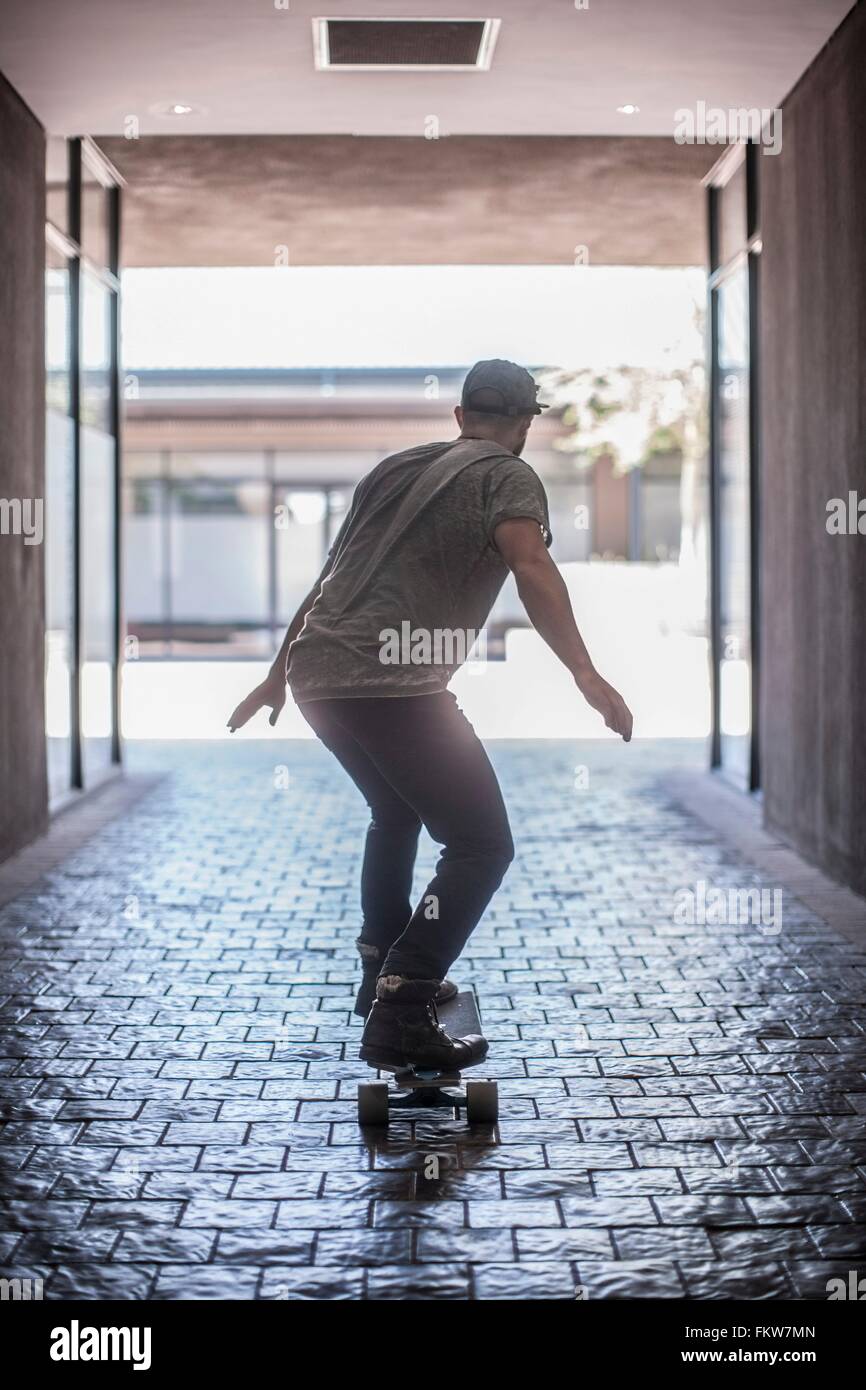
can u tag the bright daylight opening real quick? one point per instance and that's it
(257, 398)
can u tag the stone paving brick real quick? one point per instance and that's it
(649, 1182)
(811, 1279)
(448, 1243)
(364, 1247)
(732, 1281)
(270, 1184)
(526, 1280)
(239, 1158)
(306, 1284)
(215, 1281)
(419, 1282)
(642, 1243)
(63, 1247)
(165, 1245)
(515, 1212)
(837, 1242)
(592, 1210)
(457, 1182)
(705, 1211)
(128, 1215)
(361, 1185)
(573, 1244)
(99, 1282)
(771, 1242)
(41, 1216)
(422, 1215)
(324, 1214)
(225, 1215)
(681, 1107)
(266, 1247)
(628, 1279)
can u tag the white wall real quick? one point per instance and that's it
(633, 618)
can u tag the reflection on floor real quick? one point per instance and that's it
(681, 1093)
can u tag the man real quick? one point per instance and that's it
(429, 539)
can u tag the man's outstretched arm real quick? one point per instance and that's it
(271, 694)
(544, 596)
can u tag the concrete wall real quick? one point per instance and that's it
(813, 402)
(23, 798)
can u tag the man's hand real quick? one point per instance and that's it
(609, 703)
(270, 694)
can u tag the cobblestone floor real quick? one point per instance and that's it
(682, 1106)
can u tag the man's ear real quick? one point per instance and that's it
(458, 415)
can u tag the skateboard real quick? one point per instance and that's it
(428, 1087)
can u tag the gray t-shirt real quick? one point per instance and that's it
(413, 572)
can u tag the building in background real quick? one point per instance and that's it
(236, 482)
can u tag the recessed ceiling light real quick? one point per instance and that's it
(628, 110)
(176, 108)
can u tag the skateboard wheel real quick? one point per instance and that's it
(482, 1102)
(372, 1102)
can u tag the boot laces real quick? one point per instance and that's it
(437, 1026)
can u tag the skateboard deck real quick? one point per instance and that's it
(429, 1086)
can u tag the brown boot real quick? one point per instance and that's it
(403, 1030)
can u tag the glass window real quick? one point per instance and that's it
(57, 334)
(95, 353)
(570, 509)
(59, 510)
(95, 216)
(339, 503)
(734, 524)
(343, 468)
(219, 565)
(732, 215)
(301, 543)
(59, 598)
(661, 519)
(98, 454)
(140, 464)
(80, 569)
(145, 563)
(97, 601)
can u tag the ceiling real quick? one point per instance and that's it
(334, 200)
(246, 66)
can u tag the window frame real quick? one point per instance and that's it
(747, 255)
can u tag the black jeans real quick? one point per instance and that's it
(417, 761)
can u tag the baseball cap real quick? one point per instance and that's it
(497, 387)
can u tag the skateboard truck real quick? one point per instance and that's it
(425, 1090)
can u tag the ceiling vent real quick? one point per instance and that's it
(404, 45)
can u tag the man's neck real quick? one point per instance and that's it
(487, 439)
